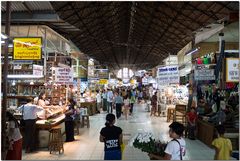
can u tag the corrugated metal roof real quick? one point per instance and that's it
(33, 5)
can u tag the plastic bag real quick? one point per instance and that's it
(122, 149)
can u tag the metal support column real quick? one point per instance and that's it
(4, 81)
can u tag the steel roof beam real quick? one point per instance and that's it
(34, 17)
(26, 6)
(163, 33)
(72, 6)
(203, 12)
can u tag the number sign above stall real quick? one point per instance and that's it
(232, 70)
(168, 75)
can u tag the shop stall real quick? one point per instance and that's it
(40, 61)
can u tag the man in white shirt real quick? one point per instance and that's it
(29, 112)
(109, 100)
(99, 101)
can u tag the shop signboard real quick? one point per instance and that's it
(37, 70)
(168, 75)
(28, 48)
(63, 75)
(204, 74)
(232, 70)
(103, 81)
(83, 69)
(103, 74)
(21, 62)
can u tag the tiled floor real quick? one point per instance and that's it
(88, 147)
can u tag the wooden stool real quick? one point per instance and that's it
(55, 140)
(85, 121)
(170, 114)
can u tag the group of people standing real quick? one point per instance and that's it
(120, 99)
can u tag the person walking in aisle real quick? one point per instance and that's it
(29, 112)
(119, 103)
(132, 101)
(109, 100)
(126, 106)
(112, 137)
(176, 148)
(222, 145)
(104, 96)
(15, 138)
(69, 123)
(99, 101)
(154, 104)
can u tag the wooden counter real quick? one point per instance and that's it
(91, 107)
(43, 126)
(43, 130)
(205, 132)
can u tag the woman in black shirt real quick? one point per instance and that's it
(69, 123)
(112, 137)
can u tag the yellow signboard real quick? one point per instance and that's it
(27, 48)
(103, 81)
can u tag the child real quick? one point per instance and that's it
(176, 148)
(191, 122)
(222, 145)
(126, 106)
(112, 137)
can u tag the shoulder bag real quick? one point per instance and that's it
(180, 148)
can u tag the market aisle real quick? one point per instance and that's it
(87, 145)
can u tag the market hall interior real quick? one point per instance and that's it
(167, 70)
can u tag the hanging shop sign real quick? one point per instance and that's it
(37, 70)
(168, 75)
(27, 48)
(103, 81)
(103, 74)
(232, 70)
(21, 62)
(83, 69)
(204, 74)
(63, 75)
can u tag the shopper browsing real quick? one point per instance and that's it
(154, 104)
(104, 96)
(126, 106)
(191, 123)
(112, 137)
(99, 101)
(29, 112)
(15, 139)
(119, 103)
(176, 148)
(222, 145)
(109, 101)
(69, 123)
(132, 101)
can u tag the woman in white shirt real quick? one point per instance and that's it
(176, 148)
(126, 107)
(15, 139)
